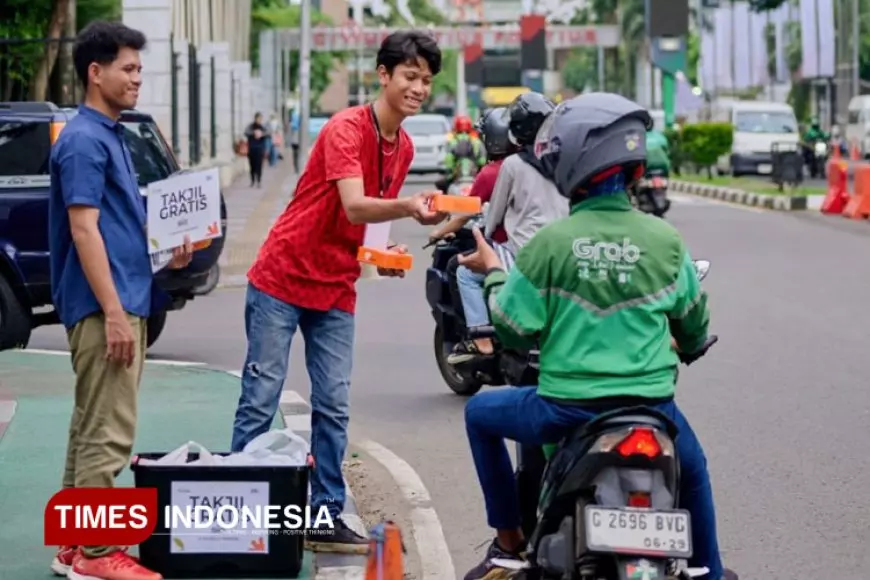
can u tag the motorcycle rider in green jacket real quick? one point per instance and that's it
(602, 293)
(463, 144)
(658, 152)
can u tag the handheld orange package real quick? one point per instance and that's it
(387, 259)
(455, 204)
(376, 250)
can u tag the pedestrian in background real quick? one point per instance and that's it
(101, 279)
(305, 275)
(275, 140)
(257, 136)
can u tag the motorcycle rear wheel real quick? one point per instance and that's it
(459, 384)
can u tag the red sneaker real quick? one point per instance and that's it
(116, 566)
(63, 560)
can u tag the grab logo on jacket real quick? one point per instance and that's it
(600, 258)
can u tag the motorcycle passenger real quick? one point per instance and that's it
(463, 144)
(838, 140)
(524, 200)
(493, 128)
(603, 321)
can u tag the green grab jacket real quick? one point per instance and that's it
(602, 292)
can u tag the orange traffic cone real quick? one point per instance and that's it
(838, 196)
(859, 204)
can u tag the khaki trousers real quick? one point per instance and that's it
(103, 424)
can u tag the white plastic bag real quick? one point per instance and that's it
(276, 447)
(179, 456)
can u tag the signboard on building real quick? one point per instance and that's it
(326, 39)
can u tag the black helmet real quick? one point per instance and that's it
(493, 128)
(527, 112)
(590, 134)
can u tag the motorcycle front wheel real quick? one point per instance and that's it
(459, 384)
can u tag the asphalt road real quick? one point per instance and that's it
(781, 403)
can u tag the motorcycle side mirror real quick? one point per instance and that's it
(702, 268)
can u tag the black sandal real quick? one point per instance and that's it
(464, 352)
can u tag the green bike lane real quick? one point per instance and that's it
(176, 404)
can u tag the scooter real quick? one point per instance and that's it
(504, 366)
(603, 507)
(819, 160)
(465, 178)
(651, 193)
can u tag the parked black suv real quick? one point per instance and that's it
(27, 132)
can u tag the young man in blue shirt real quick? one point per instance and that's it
(102, 284)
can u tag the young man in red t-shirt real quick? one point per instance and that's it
(304, 276)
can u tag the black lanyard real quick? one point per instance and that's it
(380, 151)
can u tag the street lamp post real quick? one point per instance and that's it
(304, 81)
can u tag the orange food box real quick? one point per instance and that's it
(385, 258)
(455, 204)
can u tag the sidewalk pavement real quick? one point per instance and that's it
(251, 211)
(176, 404)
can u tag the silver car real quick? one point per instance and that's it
(430, 134)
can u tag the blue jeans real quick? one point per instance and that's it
(270, 325)
(471, 293)
(521, 415)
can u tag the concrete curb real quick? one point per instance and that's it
(740, 196)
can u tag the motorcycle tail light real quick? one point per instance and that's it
(639, 499)
(634, 441)
(641, 441)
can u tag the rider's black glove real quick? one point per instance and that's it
(688, 358)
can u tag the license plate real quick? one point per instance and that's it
(765, 168)
(639, 531)
(425, 150)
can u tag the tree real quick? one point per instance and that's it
(277, 14)
(445, 82)
(56, 25)
(580, 71)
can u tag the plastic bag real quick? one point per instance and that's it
(273, 448)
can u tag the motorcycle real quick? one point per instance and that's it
(464, 179)
(818, 159)
(651, 193)
(603, 507)
(505, 366)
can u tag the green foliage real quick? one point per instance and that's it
(277, 14)
(693, 55)
(444, 82)
(580, 70)
(424, 13)
(765, 5)
(704, 143)
(89, 10)
(676, 151)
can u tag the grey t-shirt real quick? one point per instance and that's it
(524, 201)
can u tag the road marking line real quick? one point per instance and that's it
(435, 559)
(7, 410)
(341, 573)
(156, 361)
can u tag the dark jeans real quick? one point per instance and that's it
(255, 160)
(270, 325)
(521, 415)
